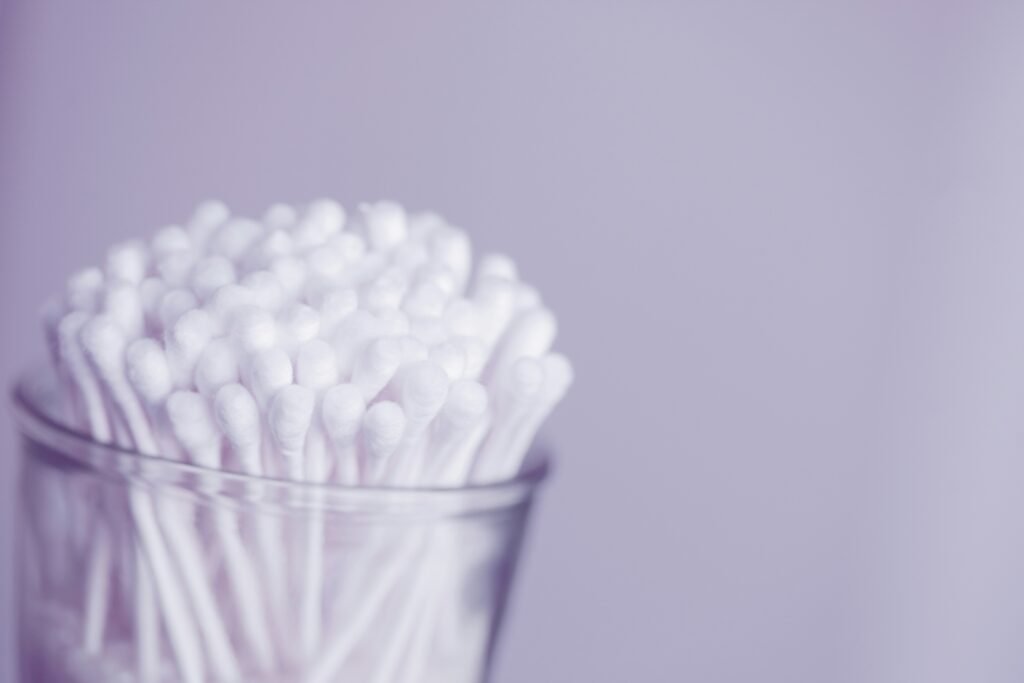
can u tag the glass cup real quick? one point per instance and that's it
(134, 568)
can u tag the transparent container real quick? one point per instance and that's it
(133, 568)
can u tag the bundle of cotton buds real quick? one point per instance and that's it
(308, 346)
(313, 346)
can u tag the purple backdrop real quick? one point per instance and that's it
(785, 245)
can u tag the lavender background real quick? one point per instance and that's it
(786, 244)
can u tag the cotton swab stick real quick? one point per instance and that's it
(97, 583)
(197, 429)
(424, 390)
(342, 414)
(495, 299)
(239, 418)
(316, 471)
(383, 426)
(194, 427)
(531, 334)
(289, 415)
(558, 376)
(464, 409)
(104, 345)
(516, 391)
(147, 371)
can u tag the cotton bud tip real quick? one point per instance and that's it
(386, 224)
(237, 414)
(342, 412)
(148, 371)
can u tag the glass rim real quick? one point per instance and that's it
(35, 424)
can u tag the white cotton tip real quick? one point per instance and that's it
(392, 323)
(217, 367)
(210, 274)
(103, 343)
(376, 366)
(423, 224)
(254, 329)
(386, 225)
(531, 334)
(174, 304)
(316, 366)
(466, 404)
(299, 323)
(411, 256)
(148, 371)
(461, 318)
(175, 268)
(289, 418)
(266, 288)
(168, 240)
(385, 292)
(351, 336)
(451, 357)
(527, 297)
(280, 216)
(326, 262)
(497, 265)
(523, 381)
(151, 293)
(450, 248)
(291, 273)
(238, 417)
(237, 414)
(426, 300)
(229, 300)
(495, 300)
(342, 413)
(440, 276)
(123, 303)
(206, 218)
(84, 290)
(351, 246)
(127, 262)
(335, 306)
(413, 350)
(321, 219)
(185, 341)
(475, 353)
(235, 238)
(193, 425)
(383, 427)
(267, 372)
(430, 331)
(424, 390)
(558, 377)
(275, 244)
